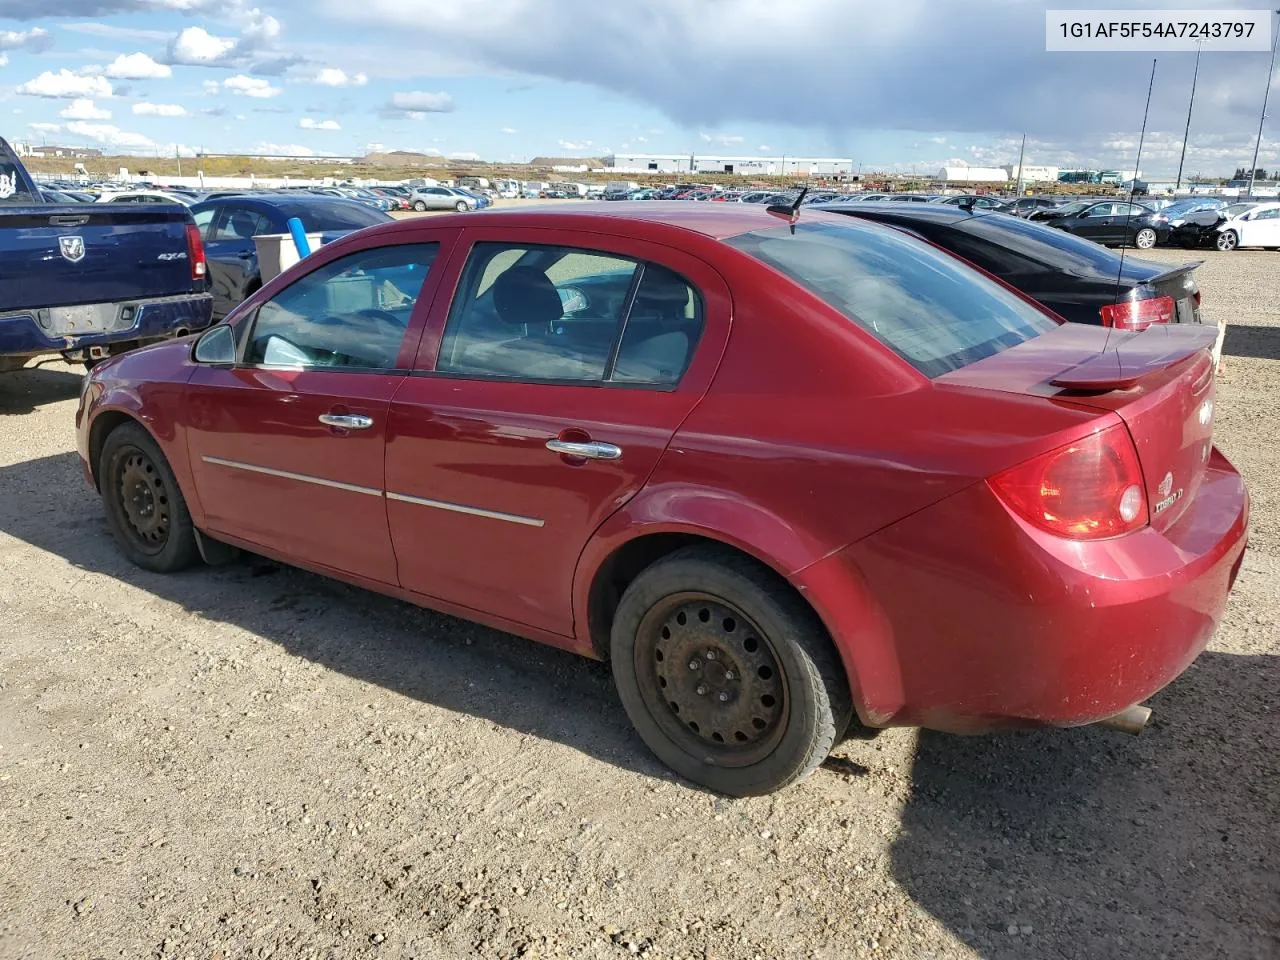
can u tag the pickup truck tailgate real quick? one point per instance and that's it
(63, 255)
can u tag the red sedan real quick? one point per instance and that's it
(777, 473)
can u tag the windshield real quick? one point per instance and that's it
(926, 306)
(1238, 208)
(1190, 206)
(322, 217)
(1069, 208)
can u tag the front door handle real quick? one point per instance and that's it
(346, 421)
(588, 450)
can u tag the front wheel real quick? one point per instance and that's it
(726, 674)
(1227, 240)
(1145, 239)
(420, 206)
(461, 206)
(145, 509)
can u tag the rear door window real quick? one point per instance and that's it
(927, 307)
(12, 188)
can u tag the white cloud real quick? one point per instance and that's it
(109, 135)
(148, 109)
(334, 77)
(35, 39)
(307, 123)
(137, 66)
(251, 87)
(66, 84)
(763, 148)
(416, 104)
(464, 155)
(575, 144)
(45, 127)
(261, 29)
(4, 59)
(84, 110)
(211, 86)
(284, 150)
(507, 130)
(722, 139)
(196, 46)
(640, 139)
(375, 147)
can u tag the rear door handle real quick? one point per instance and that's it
(346, 421)
(589, 450)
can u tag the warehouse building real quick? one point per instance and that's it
(1032, 174)
(740, 166)
(973, 175)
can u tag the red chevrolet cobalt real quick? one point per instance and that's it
(777, 473)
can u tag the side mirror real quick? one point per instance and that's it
(218, 345)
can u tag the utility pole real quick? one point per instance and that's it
(1190, 103)
(177, 152)
(1017, 192)
(1253, 169)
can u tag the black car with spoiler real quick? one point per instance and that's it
(1079, 280)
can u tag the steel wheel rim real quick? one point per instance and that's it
(711, 679)
(1226, 241)
(144, 500)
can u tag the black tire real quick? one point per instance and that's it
(751, 620)
(133, 475)
(461, 206)
(1227, 240)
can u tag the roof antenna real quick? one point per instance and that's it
(1133, 189)
(789, 213)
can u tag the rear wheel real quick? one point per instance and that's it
(729, 678)
(1145, 239)
(1227, 240)
(461, 206)
(145, 509)
(420, 206)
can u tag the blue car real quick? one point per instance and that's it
(229, 224)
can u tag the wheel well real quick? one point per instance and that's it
(102, 427)
(628, 562)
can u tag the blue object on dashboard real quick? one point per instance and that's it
(300, 240)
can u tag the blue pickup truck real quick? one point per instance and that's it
(92, 280)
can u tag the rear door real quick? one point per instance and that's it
(287, 444)
(548, 390)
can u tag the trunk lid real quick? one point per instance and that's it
(1159, 381)
(1179, 284)
(63, 254)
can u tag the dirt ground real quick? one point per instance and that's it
(252, 761)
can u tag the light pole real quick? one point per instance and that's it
(1253, 169)
(1022, 154)
(1190, 103)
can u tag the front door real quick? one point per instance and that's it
(1262, 229)
(1097, 224)
(287, 445)
(232, 254)
(551, 388)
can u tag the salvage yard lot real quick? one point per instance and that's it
(254, 761)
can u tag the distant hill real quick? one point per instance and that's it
(591, 163)
(404, 158)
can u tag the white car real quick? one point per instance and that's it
(146, 196)
(1259, 227)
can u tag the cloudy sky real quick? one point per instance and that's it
(912, 84)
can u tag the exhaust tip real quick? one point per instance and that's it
(1131, 720)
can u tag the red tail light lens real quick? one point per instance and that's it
(1087, 490)
(195, 253)
(1138, 314)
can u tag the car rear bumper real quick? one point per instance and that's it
(32, 332)
(964, 618)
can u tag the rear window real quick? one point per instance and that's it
(933, 311)
(13, 189)
(1045, 245)
(320, 217)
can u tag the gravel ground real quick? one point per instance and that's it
(256, 762)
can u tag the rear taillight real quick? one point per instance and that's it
(1086, 490)
(195, 253)
(1196, 297)
(1138, 314)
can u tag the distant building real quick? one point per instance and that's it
(1115, 177)
(973, 175)
(740, 166)
(30, 150)
(1032, 174)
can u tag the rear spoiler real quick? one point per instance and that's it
(1174, 271)
(1138, 355)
